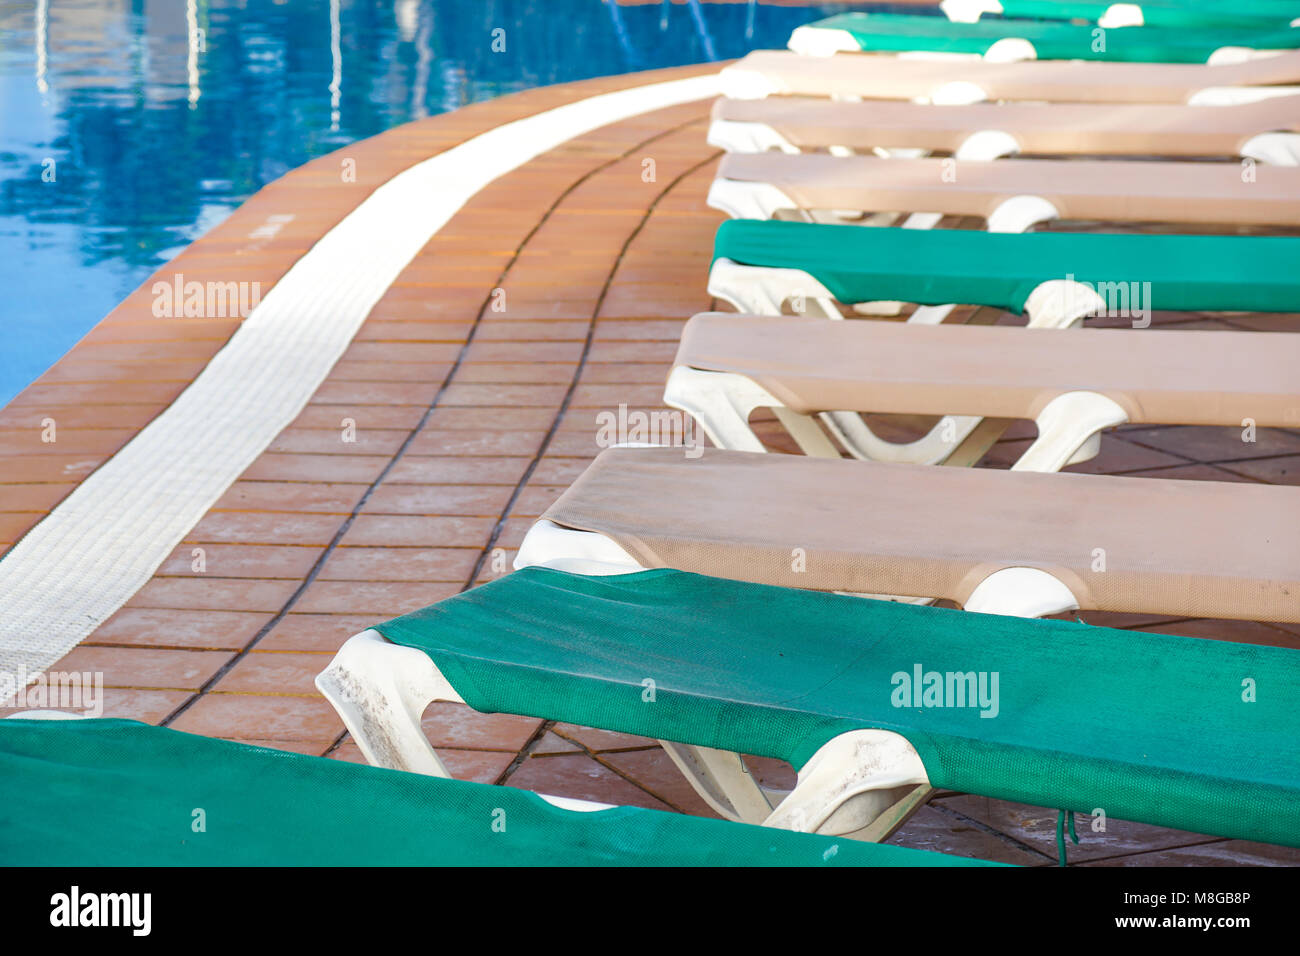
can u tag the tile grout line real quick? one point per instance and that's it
(564, 405)
(401, 450)
(577, 374)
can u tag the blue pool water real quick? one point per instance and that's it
(118, 146)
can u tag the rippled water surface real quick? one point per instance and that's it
(121, 142)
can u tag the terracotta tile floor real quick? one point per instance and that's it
(473, 389)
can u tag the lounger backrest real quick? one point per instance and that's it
(1192, 548)
(1146, 130)
(1166, 377)
(1114, 190)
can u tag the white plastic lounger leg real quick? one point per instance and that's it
(764, 290)
(922, 220)
(739, 83)
(1276, 149)
(722, 401)
(850, 782)
(738, 137)
(1240, 54)
(722, 781)
(1069, 430)
(549, 545)
(1021, 592)
(380, 690)
(1018, 213)
(812, 441)
(1122, 15)
(930, 449)
(746, 200)
(987, 144)
(1062, 304)
(569, 803)
(968, 11)
(814, 41)
(1011, 50)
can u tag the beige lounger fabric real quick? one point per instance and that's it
(1120, 190)
(1194, 548)
(1174, 377)
(1065, 128)
(890, 77)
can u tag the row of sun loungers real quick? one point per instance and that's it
(729, 601)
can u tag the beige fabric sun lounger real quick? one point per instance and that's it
(1023, 542)
(1073, 382)
(1011, 194)
(1264, 130)
(864, 76)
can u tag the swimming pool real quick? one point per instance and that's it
(121, 142)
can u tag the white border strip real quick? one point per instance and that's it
(103, 543)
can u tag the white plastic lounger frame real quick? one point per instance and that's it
(722, 402)
(862, 784)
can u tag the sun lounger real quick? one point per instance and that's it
(1265, 130)
(1055, 279)
(1010, 194)
(1073, 384)
(759, 266)
(1144, 727)
(1006, 40)
(1169, 13)
(1016, 542)
(121, 793)
(781, 73)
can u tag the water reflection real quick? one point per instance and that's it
(130, 127)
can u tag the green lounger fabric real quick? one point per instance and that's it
(1261, 14)
(935, 266)
(122, 793)
(1149, 727)
(1052, 41)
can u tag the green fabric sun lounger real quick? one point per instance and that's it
(1164, 13)
(121, 793)
(1056, 279)
(873, 702)
(758, 264)
(1030, 39)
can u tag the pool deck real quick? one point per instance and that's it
(468, 422)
